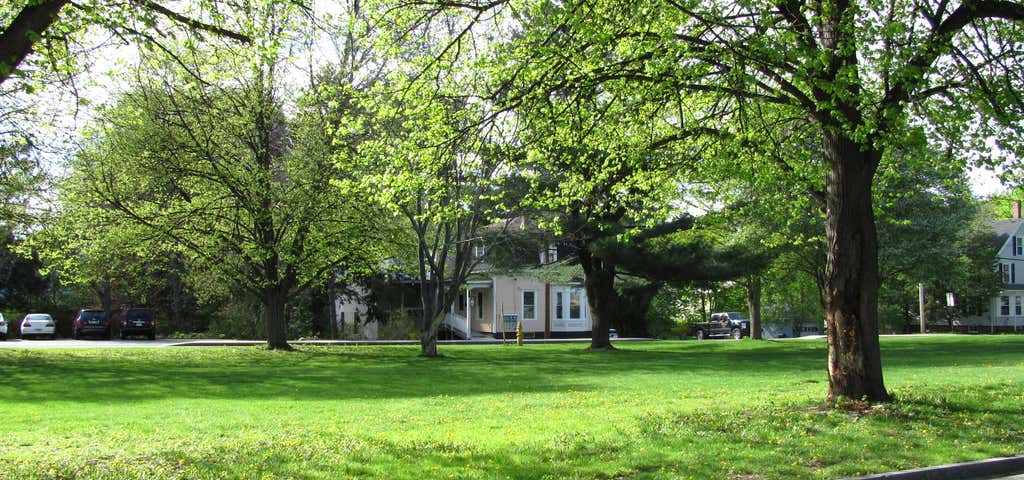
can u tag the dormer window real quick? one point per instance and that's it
(1018, 246)
(1004, 268)
(552, 253)
(479, 250)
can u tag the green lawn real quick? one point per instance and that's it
(719, 409)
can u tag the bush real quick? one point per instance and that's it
(662, 316)
(398, 325)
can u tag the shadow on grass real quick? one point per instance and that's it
(337, 373)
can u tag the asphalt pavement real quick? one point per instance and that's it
(88, 343)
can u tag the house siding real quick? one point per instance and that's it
(1007, 260)
(509, 295)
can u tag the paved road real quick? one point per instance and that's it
(68, 343)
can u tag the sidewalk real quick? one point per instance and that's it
(1010, 468)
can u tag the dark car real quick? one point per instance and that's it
(722, 325)
(91, 322)
(138, 321)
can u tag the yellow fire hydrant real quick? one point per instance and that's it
(519, 333)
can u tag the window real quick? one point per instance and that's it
(574, 304)
(559, 301)
(1013, 273)
(529, 305)
(1016, 306)
(552, 253)
(1004, 306)
(1018, 246)
(1004, 268)
(479, 250)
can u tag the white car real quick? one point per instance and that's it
(3, 328)
(38, 324)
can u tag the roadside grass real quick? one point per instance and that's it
(722, 409)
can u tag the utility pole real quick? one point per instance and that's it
(920, 303)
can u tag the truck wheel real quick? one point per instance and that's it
(736, 334)
(699, 334)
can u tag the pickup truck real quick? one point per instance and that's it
(722, 325)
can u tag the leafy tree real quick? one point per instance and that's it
(50, 26)
(21, 285)
(441, 178)
(854, 73)
(205, 158)
(21, 180)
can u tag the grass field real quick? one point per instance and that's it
(721, 409)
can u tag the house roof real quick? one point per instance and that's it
(1002, 230)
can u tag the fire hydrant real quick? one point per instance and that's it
(519, 333)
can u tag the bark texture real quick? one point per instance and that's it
(431, 297)
(754, 306)
(852, 281)
(599, 282)
(19, 38)
(273, 303)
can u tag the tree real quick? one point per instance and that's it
(53, 24)
(857, 74)
(212, 164)
(441, 178)
(20, 180)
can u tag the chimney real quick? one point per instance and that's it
(1016, 209)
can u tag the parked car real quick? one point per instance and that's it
(138, 321)
(3, 328)
(722, 325)
(38, 324)
(91, 322)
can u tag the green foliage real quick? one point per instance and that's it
(380, 412)
(663, 316)
(21, 179)
(202, 158)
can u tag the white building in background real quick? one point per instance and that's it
(1006, 310)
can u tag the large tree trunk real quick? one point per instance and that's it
(754, 306)
(852, 281)
(332, 294)
(273, 302)
(104, 291)
(599, 283)
(19, 38)
(433, 308)
(428, 338)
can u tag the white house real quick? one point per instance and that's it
(1006, 310)
(492, 303)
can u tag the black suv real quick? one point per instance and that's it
(138, 321)
(722, 325)
(91, 322)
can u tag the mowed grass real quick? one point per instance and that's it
(719, 409)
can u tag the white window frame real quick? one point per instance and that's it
(1017, 306)
(1005, 270)
(1018, 246)
(522, 302)
(552, 253)
(479, 250)
(1004, 306)
(578, 292)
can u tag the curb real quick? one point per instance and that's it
(981, 469)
